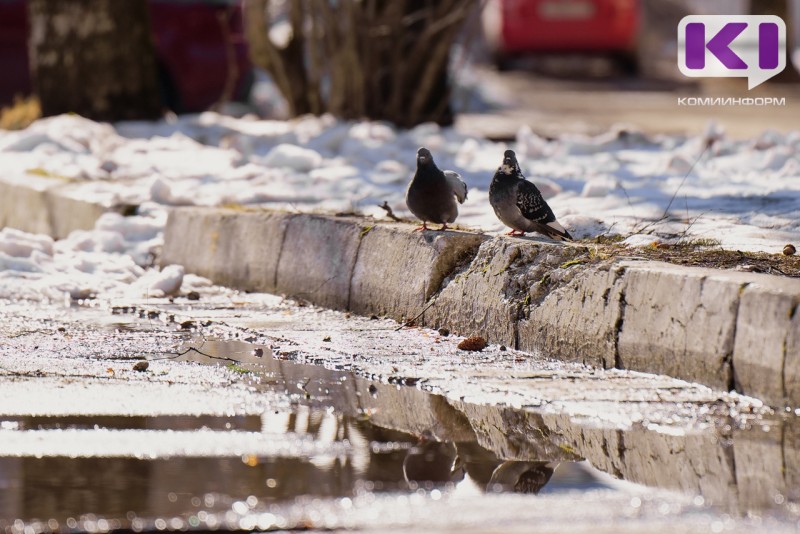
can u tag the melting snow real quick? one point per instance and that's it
(744, 193)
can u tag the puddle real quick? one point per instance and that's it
(125, 490)
(359, 457)
(369, 439)
(122, 490)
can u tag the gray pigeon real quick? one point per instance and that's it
(519, 204)
(432, 194)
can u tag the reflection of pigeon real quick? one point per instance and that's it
(520, 205)
(431, 461)
(432, 194)
(520, 477)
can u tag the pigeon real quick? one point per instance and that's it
(519, 204)
(432, 193)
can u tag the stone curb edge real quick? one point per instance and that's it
(52, 206)
(725, 329)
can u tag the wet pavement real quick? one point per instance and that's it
(255, 413)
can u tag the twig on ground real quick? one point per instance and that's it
(411, 321)
(388, 209)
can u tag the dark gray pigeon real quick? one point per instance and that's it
(432, 193)
(519, 204)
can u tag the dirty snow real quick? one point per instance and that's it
(744, 193)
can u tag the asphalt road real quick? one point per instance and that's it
(553, 105)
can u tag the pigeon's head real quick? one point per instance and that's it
(424, 157)
(510, 165)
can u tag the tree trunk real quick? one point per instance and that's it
(95, 58)
(375, 59)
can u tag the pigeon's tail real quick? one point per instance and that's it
(554, 230)
(457, 185)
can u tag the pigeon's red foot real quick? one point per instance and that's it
(421, 228)
(443, 228)
(515, 233)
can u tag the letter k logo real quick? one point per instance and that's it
(732, 46)
(719, 45)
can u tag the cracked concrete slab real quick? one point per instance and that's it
(579, 320)
(679, 322)
(397, 272)
(482, 299)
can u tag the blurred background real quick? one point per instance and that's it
(490, 66)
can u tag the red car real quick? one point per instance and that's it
(191, 39)
(518, 27)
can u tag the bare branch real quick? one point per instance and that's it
(388, 209)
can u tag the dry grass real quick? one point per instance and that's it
(20, 114)
(704, 253)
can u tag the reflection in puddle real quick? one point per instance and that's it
(127, 490)
(368, 438)
(357, 456)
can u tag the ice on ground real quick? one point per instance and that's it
(744, 193)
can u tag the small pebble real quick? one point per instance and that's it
(789, 250)
(141, 366)
(475, 343)
(258, 352)
(444, 332)
(503, 347)
(326, 339)
(373, 317)
(193, 295)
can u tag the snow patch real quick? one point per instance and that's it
(746, 193)
(292, 157)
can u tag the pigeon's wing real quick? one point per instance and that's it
(457, 185)
(534, 208)
(532, 204)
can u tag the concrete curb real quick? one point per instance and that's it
(725, 329)
(47, 205)
(721, 328)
